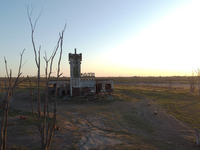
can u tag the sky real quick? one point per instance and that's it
(115, 37)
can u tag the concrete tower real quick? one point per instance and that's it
(75, 72)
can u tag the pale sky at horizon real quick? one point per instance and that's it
(115, 37)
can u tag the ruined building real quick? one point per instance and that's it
(80, 83)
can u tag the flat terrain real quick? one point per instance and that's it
(122, 120)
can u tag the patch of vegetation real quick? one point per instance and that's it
(177, 102)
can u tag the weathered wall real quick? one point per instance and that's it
(87, 83)
(80, 84)
(104, 86)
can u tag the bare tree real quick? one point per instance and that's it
(4, 103)
(198, 79)
(170, 82)
(45, 126)
(192, 83)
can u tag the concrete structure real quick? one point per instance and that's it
(80, 83)
(75, 69)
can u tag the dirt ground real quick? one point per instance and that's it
(101, 125)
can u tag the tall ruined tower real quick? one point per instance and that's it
(75, 72)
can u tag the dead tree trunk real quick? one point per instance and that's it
(45, 126)
(4, 104)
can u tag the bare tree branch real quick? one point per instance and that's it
(33, 29)
(192, 83)
(55, 103)
(198, 79)
(6, 67)
(45, 126)
(5, 102)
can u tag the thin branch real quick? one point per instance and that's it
(55, 103)
(29, 14)
(46, 129)
(5, 103)
(6, 67)
(6, 87)
(19, 71)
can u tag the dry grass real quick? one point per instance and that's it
(120, 119)
(135, 79)
(177, 101)
(138, 79)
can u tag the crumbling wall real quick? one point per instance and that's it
(87, 83)
(63, 87)
(104, 86)
(98, 87)
(88, 90)
(76, 91)
(85, 87)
